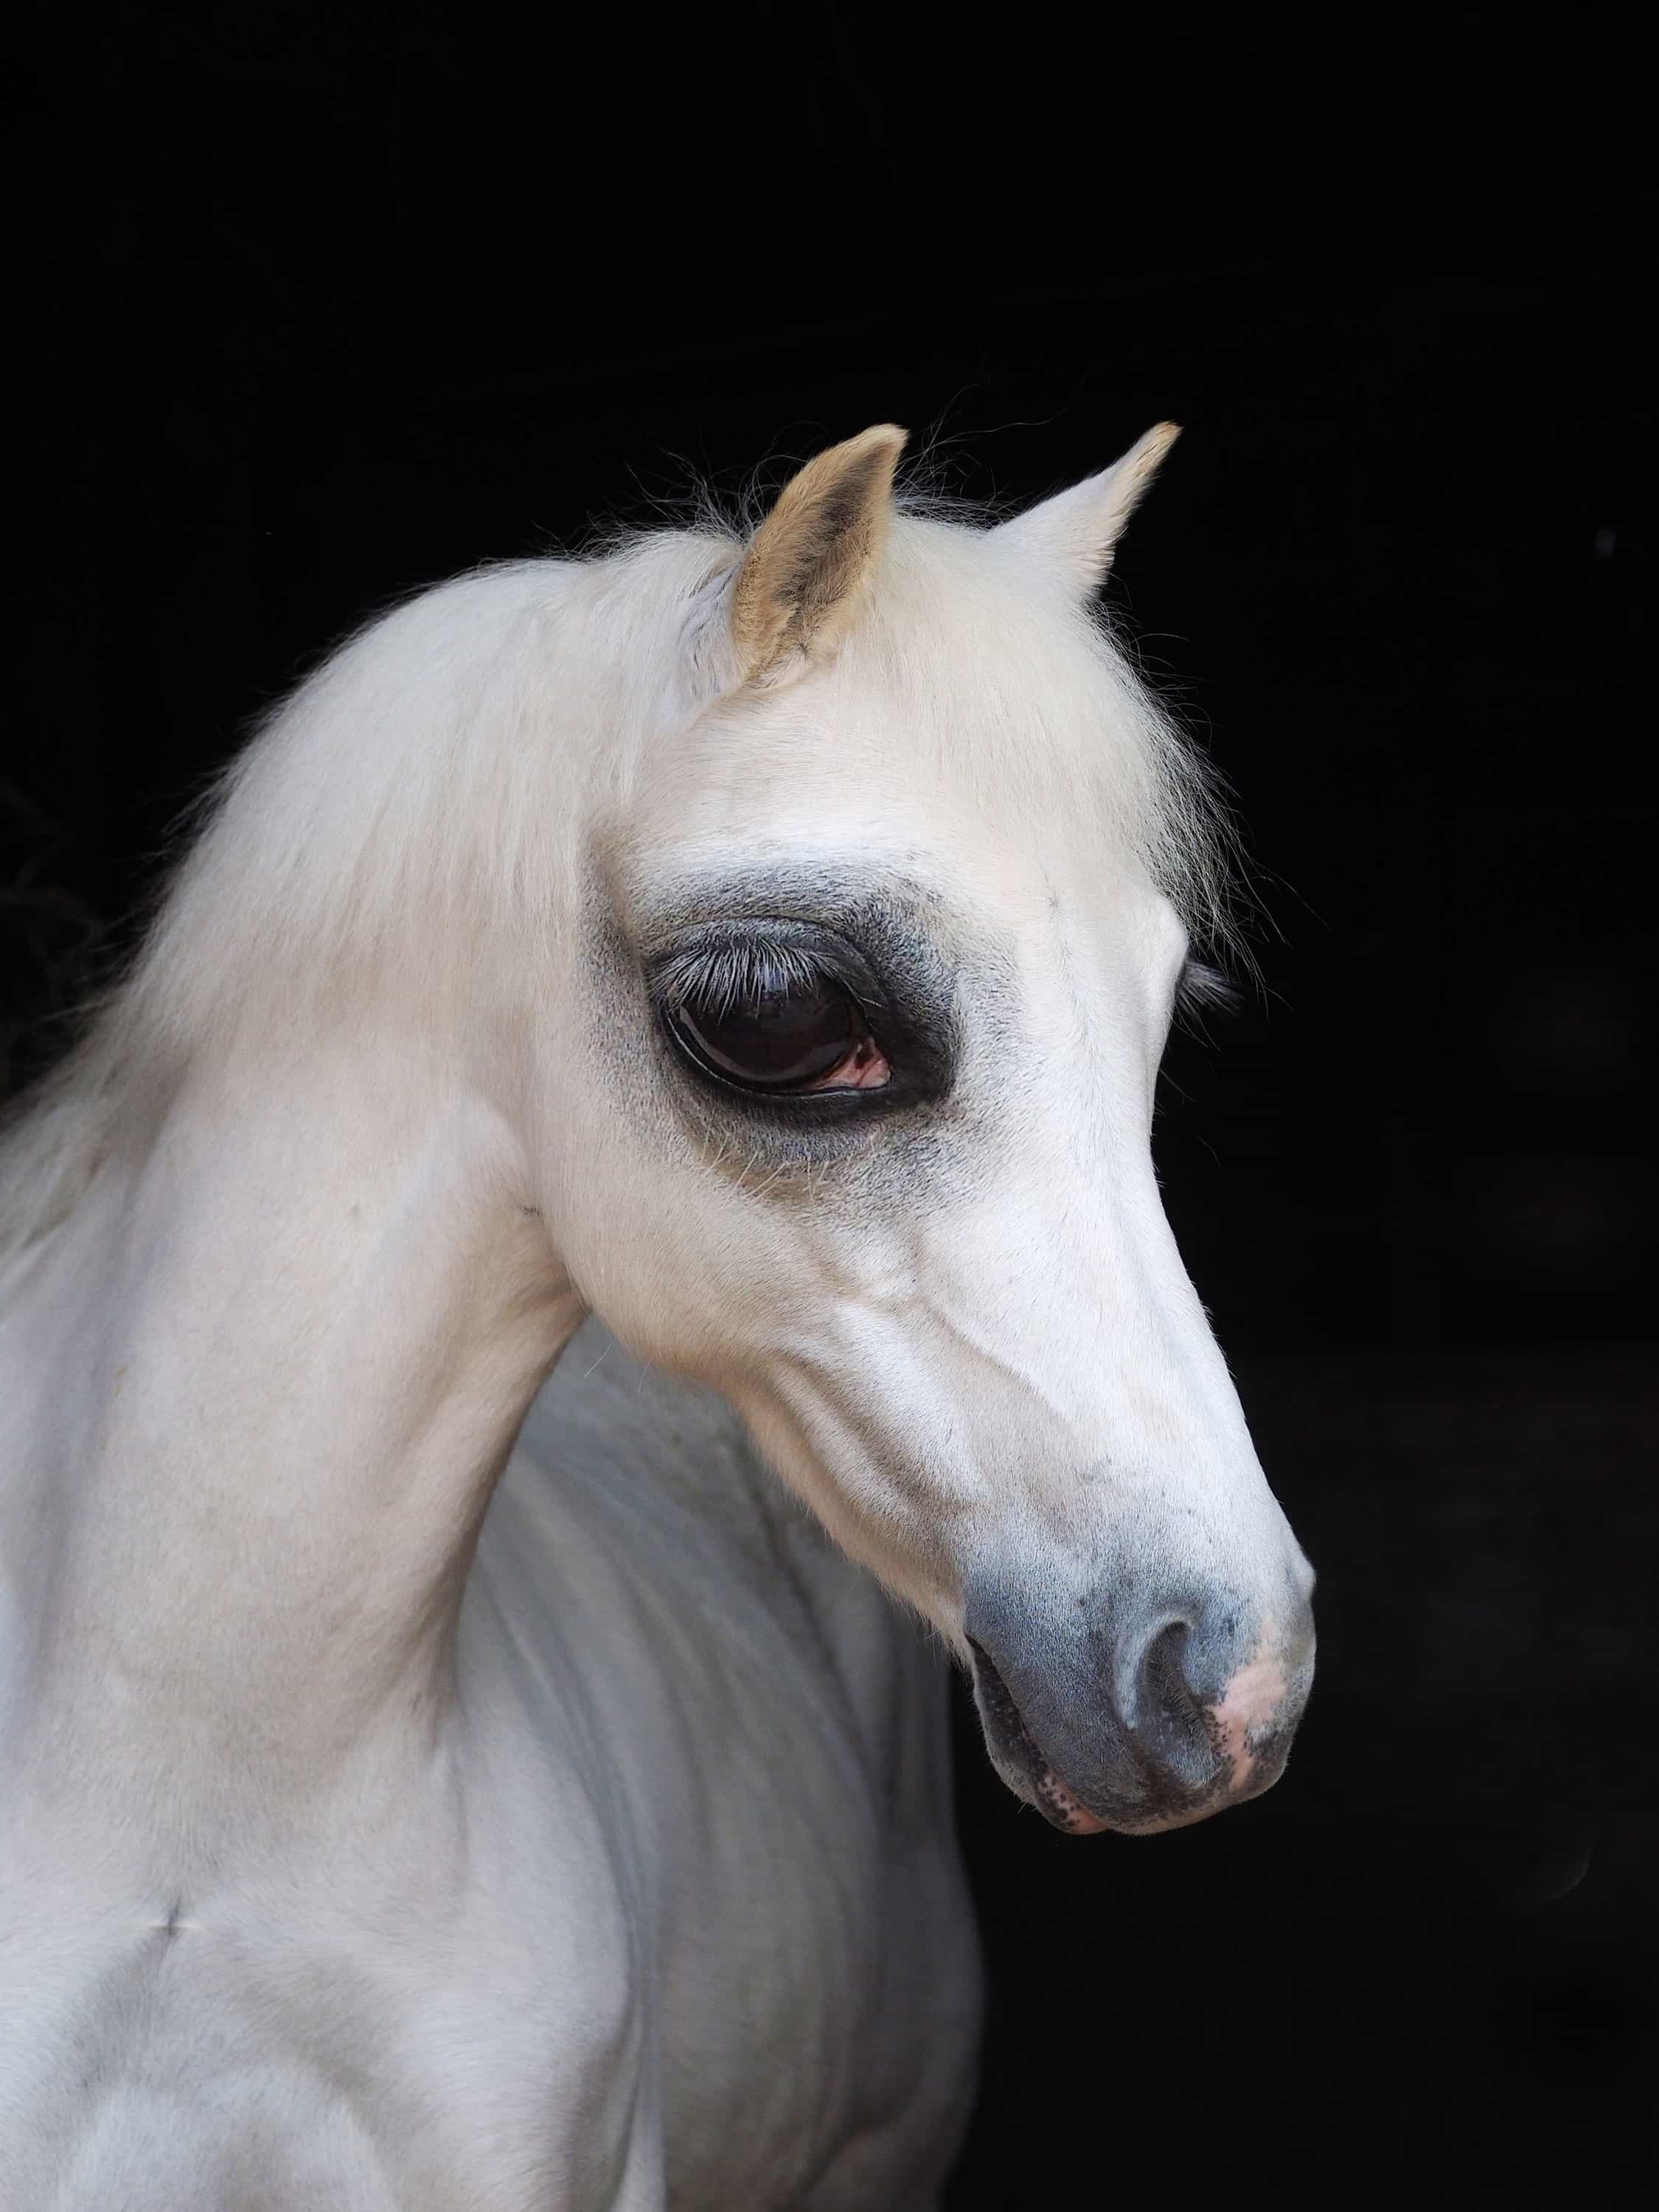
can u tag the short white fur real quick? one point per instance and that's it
(405, 1803)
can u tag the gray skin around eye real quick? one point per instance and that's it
(929, 1132)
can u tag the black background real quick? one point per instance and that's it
(323, 302)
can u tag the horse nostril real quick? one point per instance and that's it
(1163, 1674)
(1162, 1705)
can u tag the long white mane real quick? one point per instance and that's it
(403, 816)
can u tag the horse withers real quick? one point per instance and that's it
(415, 1796)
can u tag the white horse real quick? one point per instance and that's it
(767, 948)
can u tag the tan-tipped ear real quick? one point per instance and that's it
(1076, 531)
(810, 560)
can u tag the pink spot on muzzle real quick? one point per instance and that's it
(1247, 1708)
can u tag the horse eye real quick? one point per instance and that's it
(790, 1037)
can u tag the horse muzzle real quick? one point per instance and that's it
(1138, 1717)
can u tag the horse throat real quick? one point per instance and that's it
(269, 1371)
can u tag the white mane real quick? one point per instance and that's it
(423, 787)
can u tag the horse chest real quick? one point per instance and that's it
(764, 1759)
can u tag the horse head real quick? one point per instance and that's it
(887, 904)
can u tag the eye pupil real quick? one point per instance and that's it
(774, 1039)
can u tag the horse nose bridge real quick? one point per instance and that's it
(1116, 1278)
(1125, 1343)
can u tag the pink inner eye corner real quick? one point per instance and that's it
(865, 1068)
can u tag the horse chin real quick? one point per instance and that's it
(1062, 1809)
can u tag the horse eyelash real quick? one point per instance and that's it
(717, 978)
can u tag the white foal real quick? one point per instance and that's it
(767, 948)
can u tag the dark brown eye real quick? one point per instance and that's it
(803, 1032)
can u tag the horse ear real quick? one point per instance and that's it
(1075, 532)
(807, 565)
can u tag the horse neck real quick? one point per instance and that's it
(271, 1370)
